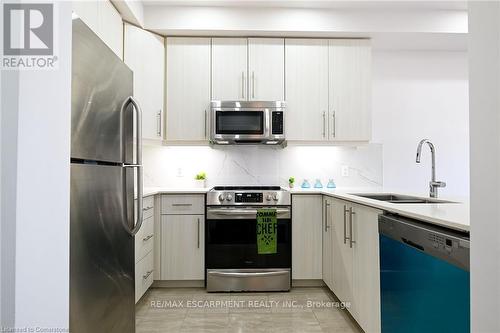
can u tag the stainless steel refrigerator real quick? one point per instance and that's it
(104, 173)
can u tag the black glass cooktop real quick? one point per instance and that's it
(247, 188)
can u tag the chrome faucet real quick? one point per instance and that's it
(433, 184)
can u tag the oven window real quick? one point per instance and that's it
(240, 122)
(232, 243)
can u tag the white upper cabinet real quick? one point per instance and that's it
(111, 27)
(350, 90)
(103, 18)
(266, 69)
(229, 69)
(306, 73)
(188, 88)
(145, 55)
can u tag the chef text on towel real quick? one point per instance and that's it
(267, 235)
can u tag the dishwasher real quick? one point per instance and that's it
(424, 277)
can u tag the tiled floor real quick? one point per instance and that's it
(193, 310)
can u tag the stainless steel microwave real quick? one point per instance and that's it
(247, 122)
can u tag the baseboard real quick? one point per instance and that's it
(308, 283)
(178, 284)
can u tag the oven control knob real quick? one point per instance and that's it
(229, 197)
(275, 196)
(269, 197)
(221, 197)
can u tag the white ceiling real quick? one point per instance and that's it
(353, 4)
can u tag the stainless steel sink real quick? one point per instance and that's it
(400, 199)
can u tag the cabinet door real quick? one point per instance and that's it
(229, 69)
(350, 90)
(266, 69)
(144, 54)
(306, 237)
(188, 88)
(111, 27)
(342, 253)
(366, 268)
(328, 235)
(306, 73)
(182, 247)
(88, 11)
(104, 20)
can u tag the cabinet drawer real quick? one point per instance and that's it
(143, 275)
(189, 204)
(144, 239)
(148, 207)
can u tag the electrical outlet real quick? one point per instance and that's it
(180, 172)
(345, 171)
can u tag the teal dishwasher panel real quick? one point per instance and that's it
(421, 293)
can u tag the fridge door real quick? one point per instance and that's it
(101, 82)
(101, 249)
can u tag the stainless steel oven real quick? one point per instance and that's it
(231, 256)
(245, 122)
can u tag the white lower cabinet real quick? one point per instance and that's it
(353, 272)
(143, 275)
(328, 239)
(144, 244)
(182, 247)
(366, 268)
(306, 237)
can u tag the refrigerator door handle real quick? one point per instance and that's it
(138, 164)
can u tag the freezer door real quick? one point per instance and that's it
(102, 276)
(101, 82)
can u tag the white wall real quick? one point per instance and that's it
(36, 109)
(418, 95)
(484, 64)
(229, 165)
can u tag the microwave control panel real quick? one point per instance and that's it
(277, 122)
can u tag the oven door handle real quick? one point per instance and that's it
(242, 213)
(249, 274)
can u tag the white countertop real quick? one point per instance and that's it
(452, 215)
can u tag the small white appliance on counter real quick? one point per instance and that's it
(244, 122)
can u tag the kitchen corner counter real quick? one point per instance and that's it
(454, 215)
(149, 191)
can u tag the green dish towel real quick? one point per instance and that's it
(267, 236)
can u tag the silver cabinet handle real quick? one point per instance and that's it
(324, 124)
(198, 232)
(147, 208)
(327, 204)
(253, 84)
(158, 123)
(137, 165)
(242, 85)
(351, 213)
(206, 123)
(148, 273)
(334, 118)
(345, 223)
(145, 239)
(182, 204)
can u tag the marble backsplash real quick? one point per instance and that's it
(176, 166)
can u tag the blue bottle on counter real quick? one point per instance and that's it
(305, 184)
(318, 184)
(331, 184)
